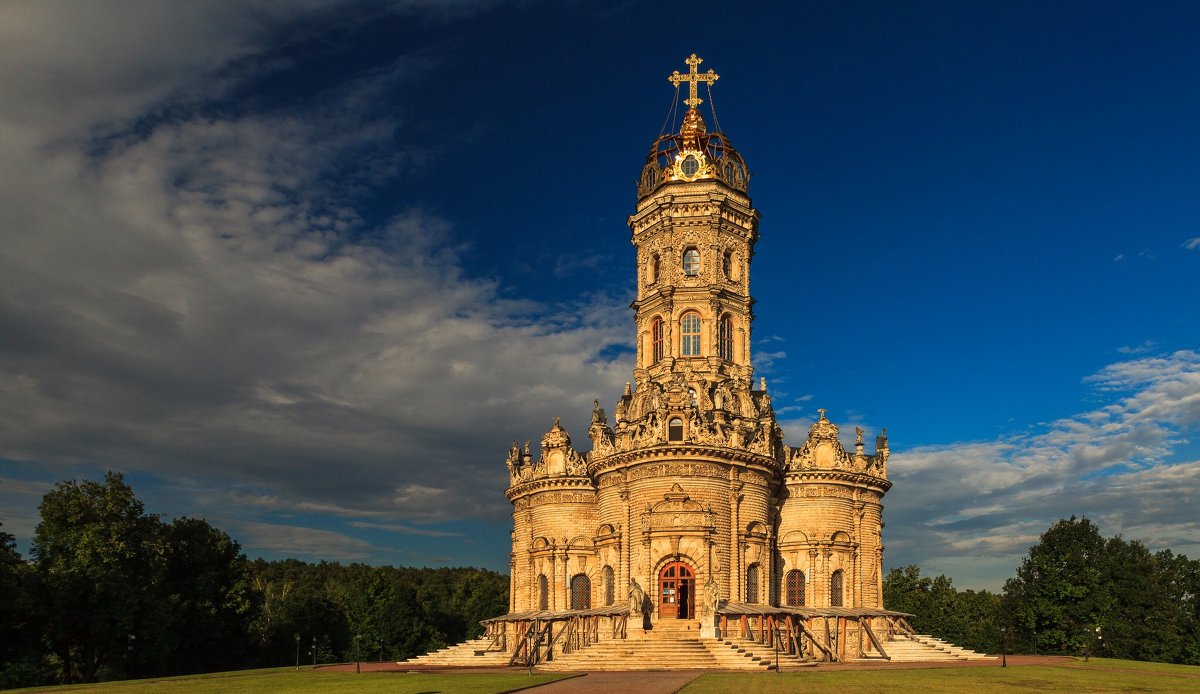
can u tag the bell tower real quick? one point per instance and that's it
(694, 230)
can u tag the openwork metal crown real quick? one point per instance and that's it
(693, 153)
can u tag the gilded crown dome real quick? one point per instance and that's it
(693, 153)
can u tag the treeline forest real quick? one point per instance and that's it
(1076, 593)
(112, 592)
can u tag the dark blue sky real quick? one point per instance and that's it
(307, 271)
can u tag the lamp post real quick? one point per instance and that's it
(297, 635)
(357, 661)
(314, 651)
(1099, 640)
(1003, 646)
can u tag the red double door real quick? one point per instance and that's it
(676, 591)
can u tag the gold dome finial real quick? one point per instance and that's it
(693, 78)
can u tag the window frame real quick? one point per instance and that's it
(656, 340)
(725, 337)
(581, 592)
(691, 262)
(689, 334)
(794, 588)
(752, 579)
(674, 425)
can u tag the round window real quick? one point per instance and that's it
(690, 165)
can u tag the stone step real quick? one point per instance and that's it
(675, 646)
(659, 653)
(466, 654)
(924, 648)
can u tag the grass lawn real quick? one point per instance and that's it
(1076, 677)
(1095, 662)
(304, 680)
(1098, 675)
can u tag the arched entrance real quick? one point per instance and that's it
(676, 591)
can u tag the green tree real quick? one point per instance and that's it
(1060, 592)
(98, 559)
(965, 618)
(22, 662)
(207, 596)
(906, 590)
(1182, 587)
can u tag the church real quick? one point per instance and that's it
(689, 517)
(689, 492)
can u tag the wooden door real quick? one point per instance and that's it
(676, 591)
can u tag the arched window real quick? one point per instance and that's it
(581, 592)
(656, 338)
(689, 335)
(653, 269)
(752, 584)
(835, 589)
(795, 588)
(691, 262)
(610, 588)
(675, 429)
(543, 593)
(731, 173)
(727, 265)
(725, 338)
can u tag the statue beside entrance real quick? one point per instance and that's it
(636, 597)
(712, 597)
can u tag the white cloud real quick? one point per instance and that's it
(1146, 346)
(1191, 244)
(1119, 464)
(405, 529)
(302, 542)
(199, 297)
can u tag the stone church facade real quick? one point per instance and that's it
(689, 502)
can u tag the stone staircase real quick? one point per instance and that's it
(676, 645)
(757, 653)
(670, 645)
(924, 648)
(471, 653)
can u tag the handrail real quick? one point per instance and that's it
(866, 625)
(565, 635)
(498, 639)
(812, 638)
(620, 626)
(523, 645)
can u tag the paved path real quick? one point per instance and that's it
(608, 682)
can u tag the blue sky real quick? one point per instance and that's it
(305, 269)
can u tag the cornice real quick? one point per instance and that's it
(546, 484)
(857, 479)
(686, 452)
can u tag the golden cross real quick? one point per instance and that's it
(693, 78)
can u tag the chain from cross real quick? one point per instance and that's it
(693, 78)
